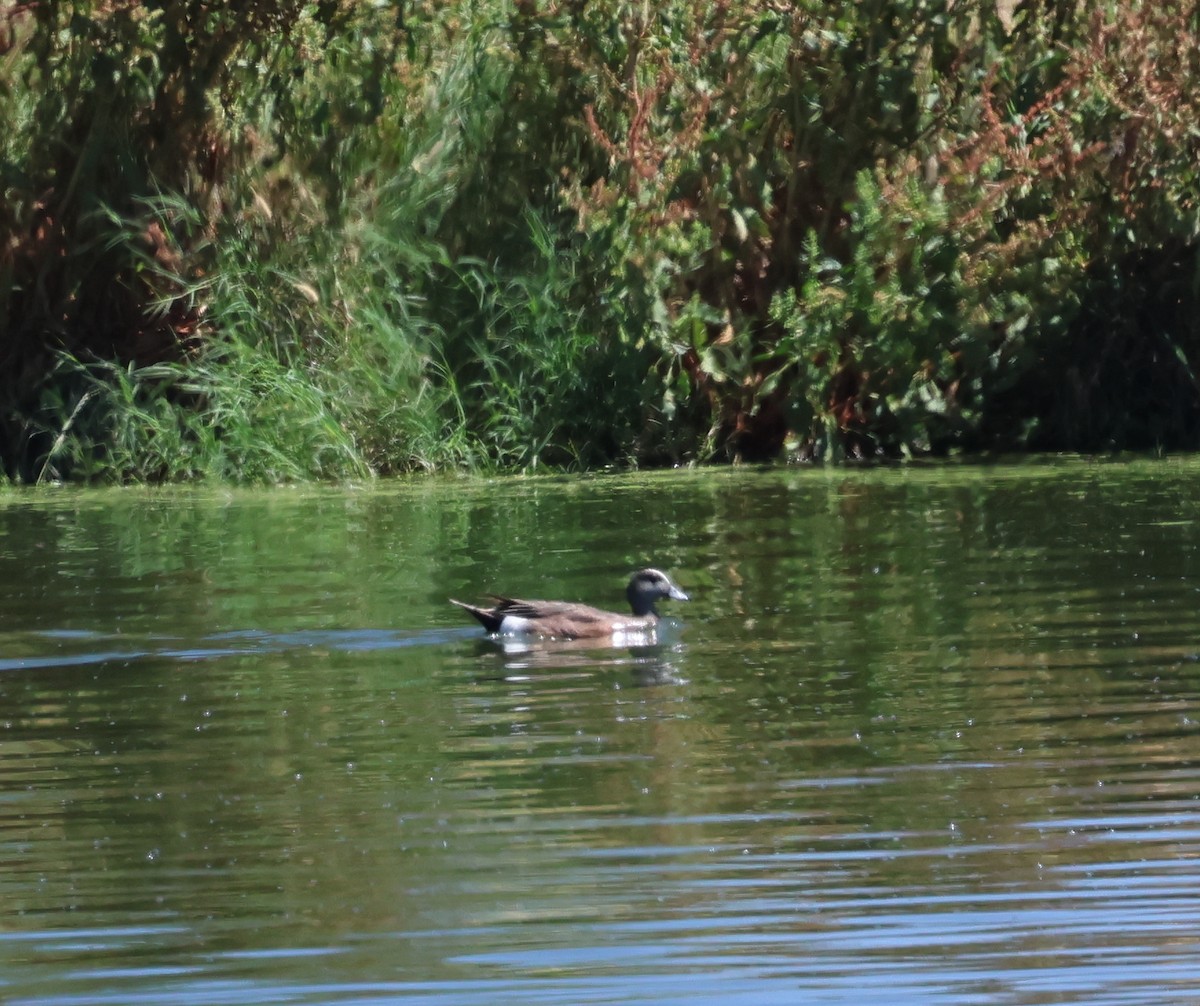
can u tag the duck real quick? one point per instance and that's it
(569, 620)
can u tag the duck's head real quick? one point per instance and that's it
(649, 585)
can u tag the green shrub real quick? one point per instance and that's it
(285, 240)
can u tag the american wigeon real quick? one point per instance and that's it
(568, 620)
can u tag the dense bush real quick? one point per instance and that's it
(286, 240)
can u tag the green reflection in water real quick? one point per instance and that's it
(911, 717)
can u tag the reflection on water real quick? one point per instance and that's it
(63, 649)
(928, 731)
(651, 656)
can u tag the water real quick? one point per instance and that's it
(927, 732)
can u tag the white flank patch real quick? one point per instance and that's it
(515, 625)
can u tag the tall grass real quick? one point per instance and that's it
(288, 241)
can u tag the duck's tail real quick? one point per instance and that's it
(486, 617)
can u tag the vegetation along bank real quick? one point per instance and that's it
(284, 240)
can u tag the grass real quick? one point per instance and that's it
(337, 241)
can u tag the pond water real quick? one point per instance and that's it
(932, 732)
